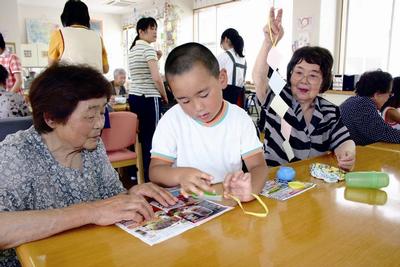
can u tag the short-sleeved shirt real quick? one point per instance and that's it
(366, 126)
(12, 105)
(216, 148)
(13, 65)
(141, 81)
(31, 178)
(225, 62)
(324, 133)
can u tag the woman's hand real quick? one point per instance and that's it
(119, 208)
(155, 192)
(274, 27)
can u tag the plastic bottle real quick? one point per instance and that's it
(367, 179)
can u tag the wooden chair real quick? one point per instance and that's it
(118, 139)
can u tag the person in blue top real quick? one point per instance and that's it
(360, 113)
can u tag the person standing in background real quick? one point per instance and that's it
(13, 66)
(146, 88)
(76, 43)
(235, 64)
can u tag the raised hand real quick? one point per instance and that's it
(239, 185)
(273, 31)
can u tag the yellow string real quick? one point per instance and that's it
(256, 214)
(270, 34)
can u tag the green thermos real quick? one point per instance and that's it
(367, 179)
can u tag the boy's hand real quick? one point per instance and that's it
(346, 160)
(239, 185)
(195, 181)
(155, 192)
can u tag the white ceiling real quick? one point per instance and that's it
(93, 5)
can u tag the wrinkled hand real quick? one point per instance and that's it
(195, 181)
(346, 160)
(120, 207)
(155, 192)
(276, 26)
(239, 185)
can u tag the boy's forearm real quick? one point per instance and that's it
(164, 175)
(20, 227)
(259, 176)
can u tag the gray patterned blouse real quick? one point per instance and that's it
(31, 178)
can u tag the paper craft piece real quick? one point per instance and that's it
(172, 221)
(296, 185)
(274, 58)
(209, 196)
(326, 172)
(276, 83)
(282, 191)
(280, 107)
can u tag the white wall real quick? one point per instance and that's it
(185, 30)
(9, 22)
(307, 9)
(112, 30)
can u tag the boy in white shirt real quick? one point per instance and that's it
(203, 139)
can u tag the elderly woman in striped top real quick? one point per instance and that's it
(299, 123)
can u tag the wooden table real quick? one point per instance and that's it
(386, 146)
(326, 226)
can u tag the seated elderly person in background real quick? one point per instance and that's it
(56, 175)
(311, 125)
(11, 104)
(118, 87)
(360, 113)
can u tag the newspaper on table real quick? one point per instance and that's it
(281, 191)
(171, 221)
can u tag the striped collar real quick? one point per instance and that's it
(218, 118)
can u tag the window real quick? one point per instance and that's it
(248, 18)
(372, 38)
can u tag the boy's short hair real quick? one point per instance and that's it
(3, 75)
(58, 90)
(184, 57)
(313, 55)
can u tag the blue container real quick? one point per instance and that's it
(285, 174)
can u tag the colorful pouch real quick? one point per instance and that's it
(326, 172)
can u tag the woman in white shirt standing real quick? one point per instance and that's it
(235, 64)
(147, 87)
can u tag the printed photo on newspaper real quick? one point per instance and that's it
(281, 191)
(172, 221)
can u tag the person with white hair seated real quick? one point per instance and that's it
(118, 87)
